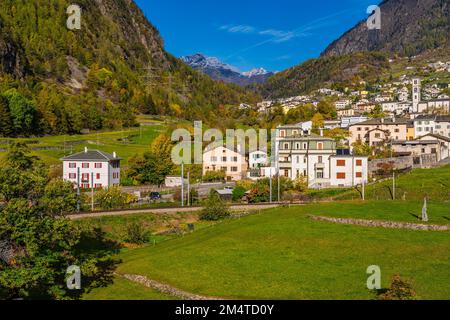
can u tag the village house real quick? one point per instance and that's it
(223, 159)
(345, 113)
(373, 131)
(92, 169)
(426, 124)
(316, 158)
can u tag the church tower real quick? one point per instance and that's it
(416, 93)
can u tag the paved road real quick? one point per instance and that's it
(165, 210)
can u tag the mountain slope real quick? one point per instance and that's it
(220, 71)
(408, 27)
(99, 76)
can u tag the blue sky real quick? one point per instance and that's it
(274, 35)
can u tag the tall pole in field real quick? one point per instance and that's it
(364, 184)
(270, 184)
(279, 185)
(78, 190)
(182, 184)
(92, 191)
(393, 185)
(189, 189)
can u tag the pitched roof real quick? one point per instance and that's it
(91, 155)
(437, 136)
(439, 118)
(381, 121)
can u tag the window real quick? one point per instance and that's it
(295, 132)
(224, 159)
(359, 129)
(340, 163)
(282, 133)
(305, 160)
(340, 175)
(286, 173)
(98, 185)
(377, 135)
(85, 165)
(320, 146)
(359, 174)
(72, 175)
(98, 176)
(397, 130)
(320, 159)
(286, 146)
(234, 169)
(85, 177)
(213, 159)
(235, 159)
(359, 163)
(72, 165)
(98, 165)
(304, 173)
(298, 159)
(319, 174)
(224, 168)
(115, 175)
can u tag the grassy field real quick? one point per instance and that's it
(414, 186)
(126, 143)
(123, 289)
(283, 254)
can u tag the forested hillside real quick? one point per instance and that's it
(54, 80)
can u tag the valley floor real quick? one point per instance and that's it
(282, 253)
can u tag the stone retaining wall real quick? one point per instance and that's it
(382, 224)
(166, 289)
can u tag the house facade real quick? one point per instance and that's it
(315, 157)
(372, 130)
(92, 169)
(223, 159)
(432, 124)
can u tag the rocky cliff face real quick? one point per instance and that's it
(408, 27)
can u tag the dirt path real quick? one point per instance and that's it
(165, 289)
(164, 210)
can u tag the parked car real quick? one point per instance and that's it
(155, 196)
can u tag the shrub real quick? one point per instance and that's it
(113, 198)
(215, 208)
(399, 290)
(238, 193)
(214, 176)
(136, 233)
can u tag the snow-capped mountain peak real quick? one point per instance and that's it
(255, 72)
(202, 62)
(218, 70)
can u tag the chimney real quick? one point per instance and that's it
(85, 150)
(321, 132)
(114, 154)
(382, 120)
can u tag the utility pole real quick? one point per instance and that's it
(78, 190)
(182, 184)
(393, 184)
(279, 186)
(92, 191)
(270, 183)
(189, 189)
(364, 185)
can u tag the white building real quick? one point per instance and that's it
(257, 159)
(432, 124)
(223, 159)
(92, 168)
(348, 121)
(342, 104)
(316, 158)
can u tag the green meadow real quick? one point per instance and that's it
(126, 142)
(282, 254)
